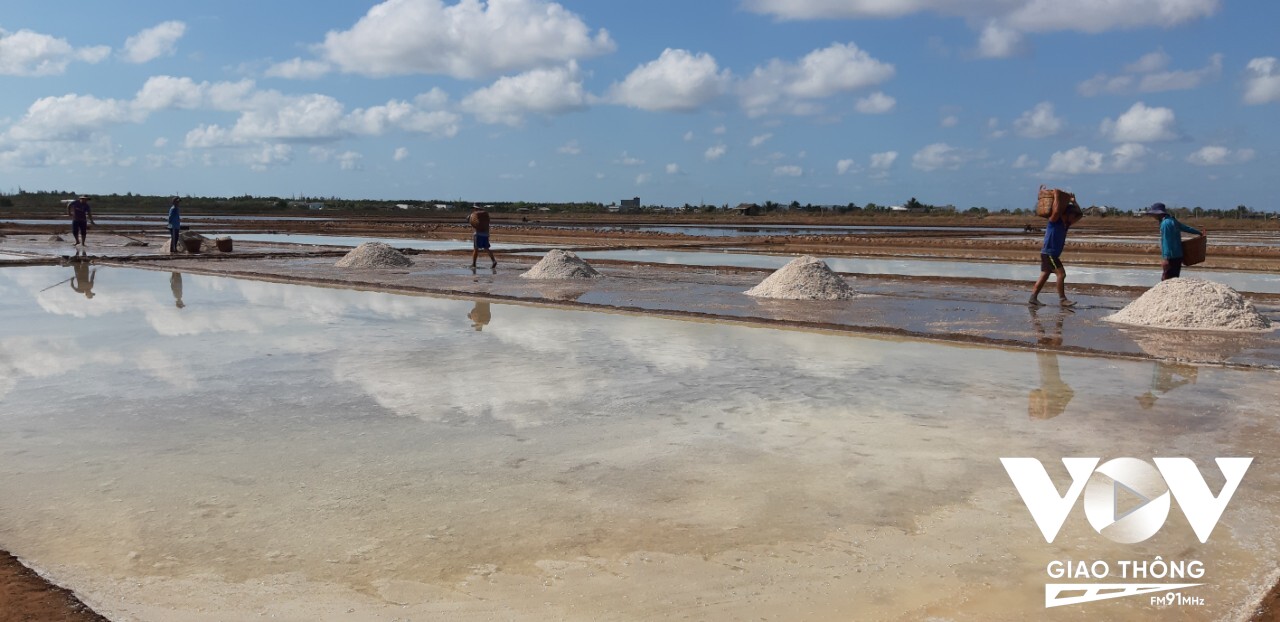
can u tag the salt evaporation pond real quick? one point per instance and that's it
(348, 240)
(719, 231)
(184, 447)
(1259, 282)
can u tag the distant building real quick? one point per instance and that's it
(443, 207)
(747, 209)
(631, 205)
(403, 205)
(315, 206)
(897, 208)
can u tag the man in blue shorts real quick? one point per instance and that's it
(1055, 238)
(479, 221)
(81, 215)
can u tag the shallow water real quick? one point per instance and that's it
(179, 447)
(750, 230)
(159, 219)
(347, 240)
(1243, 281)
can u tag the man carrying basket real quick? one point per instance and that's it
(1062, 214)
(1171, 254)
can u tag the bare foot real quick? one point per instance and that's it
(1063, 302)
(1035, 302)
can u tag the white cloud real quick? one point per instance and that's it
(350, 161)
(788, 171)
(688, 136)
(627, 159)
(673, 169)
(1150, 62)
(270, 155)
(1095, 16)
(470, 39)
(643, 178)
(790, 88)
(1127, 158)
(548, 91)
(875, 103)
(1003, 22)
(941, 156)
(1262, 81)
(949, 121)
(1147, 75)
(1215, 155)
(27, 53)
(570, 148)
(161, 142)
(676, 81)
(1141, 124)
(999, 41)
(401, 154)
(69, 118)
(715, 153)
(994, 130)
(1075, 162)
(719, 130)
(1124, 158)
(756, 141)
(1039, 122)
(298, 69)
(846, 166)
(152, 43)
(1025, 161)
(883, 161)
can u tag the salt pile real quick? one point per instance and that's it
(1192, 304)
(561, 264)
(373, 255)
(804, 278)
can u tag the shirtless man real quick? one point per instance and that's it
(81, 215)
(479, 221)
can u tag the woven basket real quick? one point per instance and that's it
(1193, 250)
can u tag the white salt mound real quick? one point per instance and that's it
(561, 264)
(1190, 303)
(804, 278)
(373, 255)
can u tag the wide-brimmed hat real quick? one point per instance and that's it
(84, 198)
(1157, 209)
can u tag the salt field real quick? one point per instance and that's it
(348, 240)
(1258, 282)
(748, 230)
(182, 447)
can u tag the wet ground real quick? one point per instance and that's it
(180, 445)
(972, 311)
(186, 447)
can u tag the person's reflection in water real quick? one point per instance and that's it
(175, 285)
(1051, 399)
(1165, 378)
(480, 316)
(82, 280)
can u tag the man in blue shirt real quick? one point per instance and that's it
(1170, 241)
(1055, 238)
(175, 224)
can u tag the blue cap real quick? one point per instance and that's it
(1157, 209)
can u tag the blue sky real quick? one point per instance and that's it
(967, 102)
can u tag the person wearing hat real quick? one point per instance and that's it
(1170, 240)
(81, 215)
(175, 224)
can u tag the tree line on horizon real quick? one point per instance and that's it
(51, 200)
